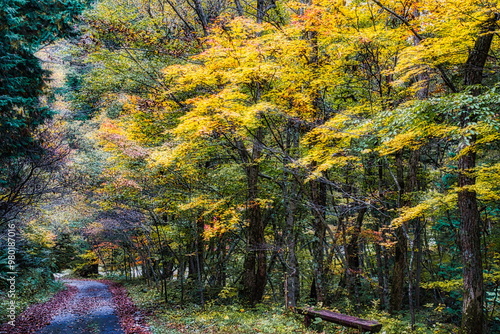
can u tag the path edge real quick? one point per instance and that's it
(132, 319)
(39, 315)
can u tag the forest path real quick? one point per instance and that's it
(91, 311)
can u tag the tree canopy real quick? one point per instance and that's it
(325, 152)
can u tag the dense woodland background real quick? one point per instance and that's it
(336, 153)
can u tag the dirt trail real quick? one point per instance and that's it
(91, 311)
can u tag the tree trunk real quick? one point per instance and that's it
(382, 274)
(419, 228)
(473, 298)
(255, 263)
(399, 271)
(318, 203)
(200, 12)
(292, 281)
(239, 8)
(353, 258)
(470, 230)
(411, 187)
(196, 259)
(291, 198)
(263, 6)
(400, 251)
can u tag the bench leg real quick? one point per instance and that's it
(307, 320)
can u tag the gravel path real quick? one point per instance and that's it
(91, 311)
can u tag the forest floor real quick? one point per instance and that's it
(222, 316)
(85, 307)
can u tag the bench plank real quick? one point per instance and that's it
(342, 319)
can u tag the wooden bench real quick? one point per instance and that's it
(362, 325)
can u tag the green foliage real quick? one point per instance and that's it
(428, 322)
(84, 102)
(87, 265)
(25, 26)
(65, 252)
(36, 289)
(34, 278)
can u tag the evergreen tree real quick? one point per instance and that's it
(25, 27)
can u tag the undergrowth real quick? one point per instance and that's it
(232, 318)
(27, 294)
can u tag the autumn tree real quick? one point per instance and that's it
(480, 35)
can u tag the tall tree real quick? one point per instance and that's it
(470, 230)
(480, 30)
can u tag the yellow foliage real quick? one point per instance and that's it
(219, 215)
(488, 182)
(447, 285)
(38, 234)
(329, 145)
(433, 205)
(228, 220)
(415, 137)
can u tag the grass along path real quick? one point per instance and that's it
(218, 319)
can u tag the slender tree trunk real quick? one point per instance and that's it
(400, 250)
(239, 8)
(221, 264)
(411, 187)
(291, 199)
(255, 263)
(419, 227)
(382, 274)
(181, 275)
(263, 6)
(399, 271)
(353, 258)
(196, 260)
(200, 12)
(292, 281)
(318, 203)
(318, 189)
